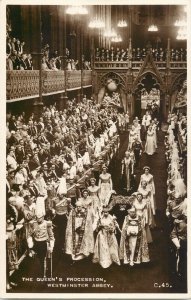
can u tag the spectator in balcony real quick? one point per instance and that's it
(13, 43)
(58, 63)
(22, 47)
(125, 54)
(44, 65)
(18, 46)
(161, 54)
(16, 60)
(97, 54)
(86, 65)
(53, 64)
(134, 54)
(74, 64)
(172, 56)
(144, 53)
(8, 46)
(138, 54)
(28, 62)
(23, 65)
(68, 66)
(9, 63)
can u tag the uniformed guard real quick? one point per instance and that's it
(62, 207)
(41, 239)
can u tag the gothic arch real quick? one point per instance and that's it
(115, 76)
(143, 77)
(177, 82)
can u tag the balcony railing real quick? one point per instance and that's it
(111, 65)
(22, 84)
(25, 84)
(98, 65)
(53, 81)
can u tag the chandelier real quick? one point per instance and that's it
(180, 23)
(122, 23)
(182, 33)
(77, 10)
(96, 23)
(153, 28)
(116, 39)
(110, 33)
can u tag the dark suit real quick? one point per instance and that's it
(23, 65)
(34, 164)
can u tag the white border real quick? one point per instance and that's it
(3, 293)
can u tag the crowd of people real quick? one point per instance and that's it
(59, 189)
(16, 57)
(177, 192)
(57, 172)
(53, 61)
(138, 54)
(55, 156)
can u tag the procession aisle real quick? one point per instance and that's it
(152, 277)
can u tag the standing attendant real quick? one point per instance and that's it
(133, 244)
(106, 186)
(93, 191)
(127, 170)
(150, 146)
(137, 149)
(106, 246)
(41, 239)
(79, 233)
(148, 178)
(145, 123)
(132, 136)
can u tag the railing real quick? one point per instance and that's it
(53, 81)
(25, 84)
(178, 65)
(111, 64)
(87, 78)
(73, 80)
(22, 84)
(137, 64)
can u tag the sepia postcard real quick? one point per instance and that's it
(95, 132)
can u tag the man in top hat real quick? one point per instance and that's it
(41, 238)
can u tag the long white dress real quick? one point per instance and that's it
(105, 185)
(106, 249)
(146, 196)
(150, 146)
(132, 136)
(93, 195)
(151, 187)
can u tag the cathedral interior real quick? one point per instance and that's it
(130, 57)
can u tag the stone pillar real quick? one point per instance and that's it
(54, 32)
(31, 30)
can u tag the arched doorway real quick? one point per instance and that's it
(148, 94)
(112, 84)
(176, 88)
